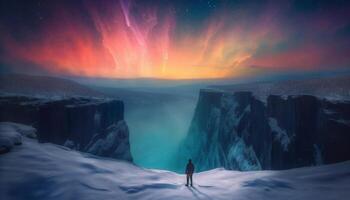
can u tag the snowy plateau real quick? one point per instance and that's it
(35, 170)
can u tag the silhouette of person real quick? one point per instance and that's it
(189, 171)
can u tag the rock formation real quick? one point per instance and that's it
(80, 123)
(238, 131)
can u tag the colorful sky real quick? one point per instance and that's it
(180, 39)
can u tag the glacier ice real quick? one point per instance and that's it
(280, 134)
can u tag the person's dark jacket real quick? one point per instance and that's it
(189, 168)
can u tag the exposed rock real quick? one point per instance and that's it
(71, 121)
(113, 142)
(238, 131)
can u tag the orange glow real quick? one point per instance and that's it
(121, 45)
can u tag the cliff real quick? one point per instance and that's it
(79, 123)
(238, 131)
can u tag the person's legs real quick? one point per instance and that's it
(187, 177)
(191, 179)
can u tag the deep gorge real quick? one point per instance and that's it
(233, 130)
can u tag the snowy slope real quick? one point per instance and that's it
(48, 171)
(11, 135)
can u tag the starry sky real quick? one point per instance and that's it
(182, 39)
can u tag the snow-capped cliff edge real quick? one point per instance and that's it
(238, 131)
(85, 124)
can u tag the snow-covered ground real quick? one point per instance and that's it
(48, 171)
(11, 135)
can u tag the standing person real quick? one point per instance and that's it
(189, 171)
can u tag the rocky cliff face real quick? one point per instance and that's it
(80, 123)
(238, 131)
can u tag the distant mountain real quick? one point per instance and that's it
(334, 87)
(44, 86)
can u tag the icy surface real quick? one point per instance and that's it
(11, 134)
(281, 135)
(223, 121)
(48, 171)
(114, 145)
(243, 156)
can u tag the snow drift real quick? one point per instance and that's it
(11, 135)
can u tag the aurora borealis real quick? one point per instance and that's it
(173, 39)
